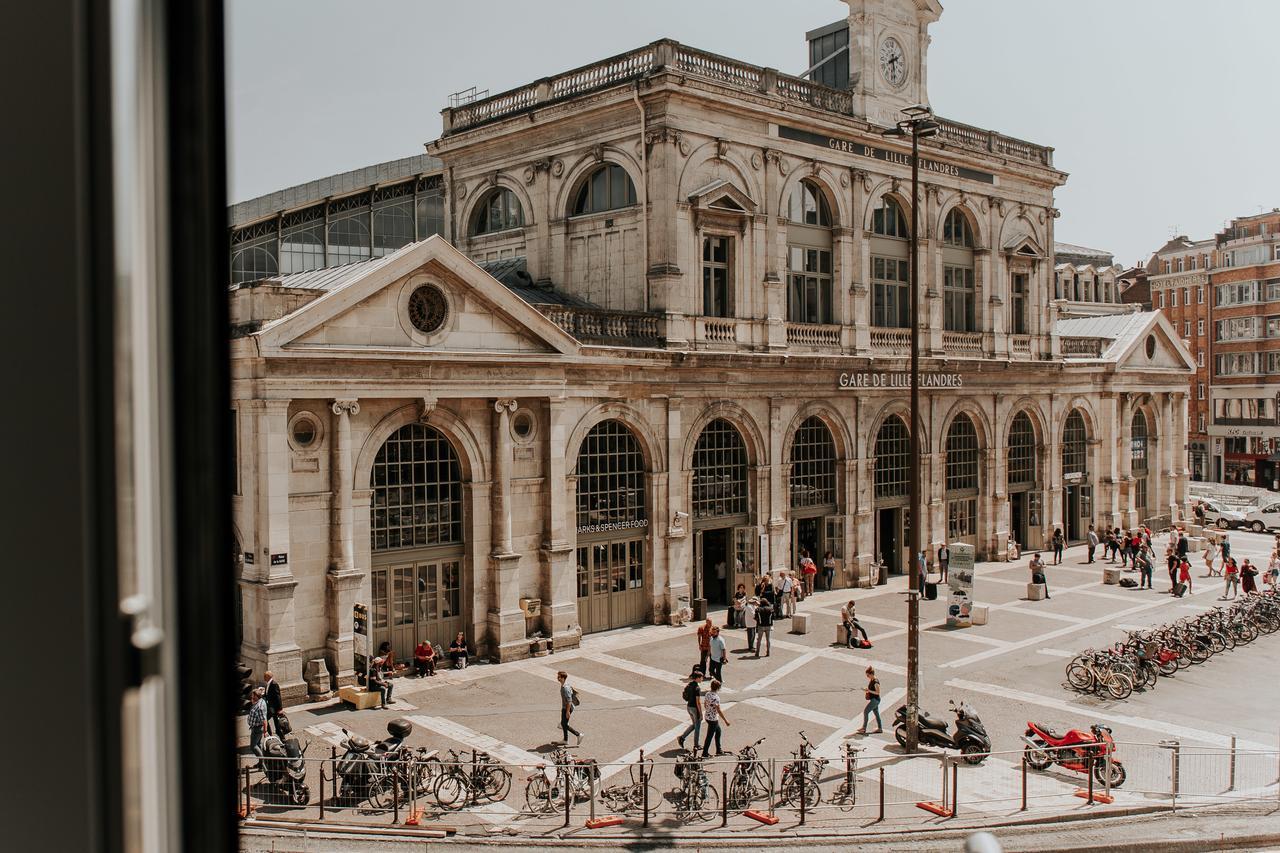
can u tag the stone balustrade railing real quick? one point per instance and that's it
(600, 326)
(1021, 344)
(890, 341)
(671, 55)
(1083, 347)
(962, 343)
(813, 335)
(720, 331)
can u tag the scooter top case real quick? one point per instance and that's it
(925, 721)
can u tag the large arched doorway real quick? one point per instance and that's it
(817, 526)
(417, 532)
(891, 493)
(1139, 449)
(1077, 488)
(1022, 481)
(612, 518)
(724, 552)
(961, 481)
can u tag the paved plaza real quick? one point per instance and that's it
(1009, 670)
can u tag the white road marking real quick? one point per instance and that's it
(1161, 727)
(648, 748)
(780, 672)
(1097, 593)
(1056, 653)
(832, 745)
(851, 656)
(504, 752)
(964, 634)
(586, 685)
(1040, 612)
(795, 712)
(672, 678)
(330, 733)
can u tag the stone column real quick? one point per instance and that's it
(342, 583)
(1053, 500)
(863, 500)
(779, 537)
(1182, 464)
(1112, 453)
(679, 543)
(1157, 456)
(506, 619)
(1175, 440)
(558, 571)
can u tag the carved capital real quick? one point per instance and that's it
(425, 407)
(504, 406)
(349, 407)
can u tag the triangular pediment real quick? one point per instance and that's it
(1025, 246)
(722, 195)
(1154, 345)
(428, 296)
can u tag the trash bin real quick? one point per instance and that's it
(699, 609)
(930, 591)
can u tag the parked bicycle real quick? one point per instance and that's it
(802, 776)
(750, 780)
(630, 798)
(462, 783)
(695, 797)
(543, 790)
(846, 794)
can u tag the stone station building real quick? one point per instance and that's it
(661, 346)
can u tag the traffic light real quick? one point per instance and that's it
(244, 674)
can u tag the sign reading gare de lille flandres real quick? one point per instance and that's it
(899, 379)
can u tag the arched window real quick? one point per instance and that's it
(252, 263)
(1139, 445)
(417, 491)
(809, 256)
(607, 188)
(887, 219)
(498, 211)
(962, 456)
(719, 471)
(813, 465)
(956, 230)
(611, 480)
(348, 237)
(1075, 458)
(1022, 451)
(392, 227)
(893, 445)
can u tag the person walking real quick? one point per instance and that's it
(693, 704)
(716, 655)
(1093, 544)
(1037, 572)
(568, 701)
(1273, 569)
(785, 590)
(1231, 572)
(764, 627)
(1142, 562)
(944, 560)
(828, 571)
(1171, 564)
(713, 713)
(808, 571)
(749, 620)
(850, 621)
(1248, 577)
(739, 602)
(275, 705)
(258, 714)
(704, 643)
(1122, 546)
(1057, 542)
(1184, 573)
(1210, 555)
(1226, 545)
(873, 702)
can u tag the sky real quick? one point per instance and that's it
(1164, 112)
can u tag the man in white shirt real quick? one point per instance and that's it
(850, 620)
(786, 588)
(749, 620)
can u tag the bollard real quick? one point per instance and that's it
(1024, 782)
(944, 799)
(322, 790)
(644, 778)
(772, 787)
(881, 818)
(849, 780)
(724, 799)
(248, 797)
(1231, 786)
(591, 787)
(955, 787)
(803, 785)
(1106, 785)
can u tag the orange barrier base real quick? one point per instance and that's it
(941, 811)
(1098, 796)
(602, 822)
(415, 817)
(766, 819)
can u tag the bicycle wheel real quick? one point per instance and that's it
(1080, 677)
(1119, 686)
(449, 791)
(495, 783)
(1217, 643)
(422, 776)
(380, 794)
(538, 795)
(1168, 667)
(702, 801)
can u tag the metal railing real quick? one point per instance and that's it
(476, 794)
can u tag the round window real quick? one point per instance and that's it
(522, 425)
(428, 309)
(1151, 346)
(304, 431)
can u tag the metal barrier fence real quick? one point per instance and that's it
(477, 794)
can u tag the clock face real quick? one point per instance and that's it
(893, 62)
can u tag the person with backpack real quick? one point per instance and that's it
(764, 627)
(693, 704)
(1143, 563)
(1058, 542)
(568, 701)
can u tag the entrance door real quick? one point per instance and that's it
(1018, 518)
(716, 565)
(415, 602)
(962, 521)
(889, 540)
(610, 585)
(806, 535)
(1078, 509)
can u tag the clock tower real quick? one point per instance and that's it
(888, 49)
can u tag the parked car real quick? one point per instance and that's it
(1218, 515)
(1263, 519)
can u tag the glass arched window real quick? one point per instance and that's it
(809, 256)
(607, 188)
(392, 227)
(1075, 445)
(252, 263)
(417, 491)
(962, 456)
(813, 465)
(610, 479)
(893, 445)
(1022, 451)
(348, 237)
(1139, 446)
(887, 220)
(956, 230)
(719, 471)
(498, 211)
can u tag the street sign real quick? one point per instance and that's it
(360, 638)
(960, 582)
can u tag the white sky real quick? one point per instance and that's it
(1166, 113)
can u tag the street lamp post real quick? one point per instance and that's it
(918, 123)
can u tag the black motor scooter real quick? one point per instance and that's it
(362, 769)
(283, 764)
(970, 737)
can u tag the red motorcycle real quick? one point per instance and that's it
(1075, 750)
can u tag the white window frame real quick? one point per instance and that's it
(1199, 327)
(1173, 297)
(1199, 390)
